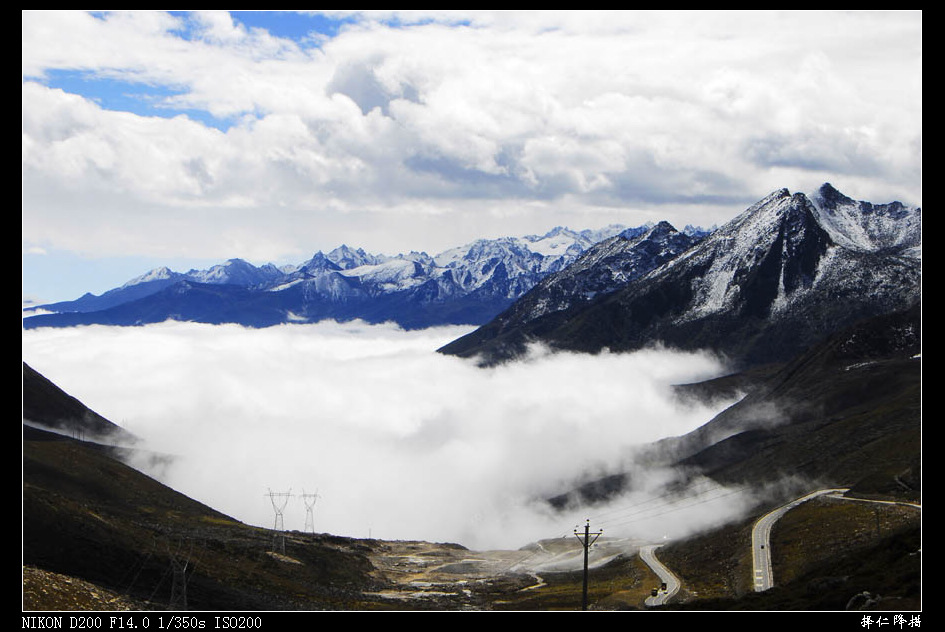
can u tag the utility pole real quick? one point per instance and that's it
(586, 542)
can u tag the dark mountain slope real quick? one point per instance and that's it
(607, 266)
(761, 289)
(846, 413)
(88, 515)
(46, 405)
(183, 300)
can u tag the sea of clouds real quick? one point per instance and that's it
(398, 441)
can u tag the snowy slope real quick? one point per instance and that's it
(604, 268)
(466, 284)
(868, 227)
(782, 274)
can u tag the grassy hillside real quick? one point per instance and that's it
(99, 535)
(826, 554)
(87, 515)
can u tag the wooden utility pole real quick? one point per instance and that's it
(586, 541)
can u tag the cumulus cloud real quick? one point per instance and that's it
(573, 116)
(397, 440)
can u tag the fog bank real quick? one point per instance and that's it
(398, 441)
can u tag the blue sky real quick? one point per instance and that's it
(187, 138)
(296, 26)
(151, 99)
(126, 96)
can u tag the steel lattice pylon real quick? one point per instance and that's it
(310, 500)
(279, 501)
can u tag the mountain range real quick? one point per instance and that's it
(467, 284)
(815, 299)
(787, 272)
(99, 535)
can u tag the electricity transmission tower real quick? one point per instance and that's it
(309, 511)
(279, 501)
(178, 580)
(588, 539)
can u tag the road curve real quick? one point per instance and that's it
(648, 555)
(761, 536)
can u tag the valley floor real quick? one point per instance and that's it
(424, 575)
(874, 551)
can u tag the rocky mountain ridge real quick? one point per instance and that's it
(463, 285)
(786, 272)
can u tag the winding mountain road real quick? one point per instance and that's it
(760, 546)
(648, 555)
(761, 536)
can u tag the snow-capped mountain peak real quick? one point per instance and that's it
(560, 241)
(346, 257)
(866, 226)
(757, 289)
(600, 269)
(769, 250)
(462, 285)
(162, 273)
(236, 272)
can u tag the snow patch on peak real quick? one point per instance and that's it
(347, 258)
(157, 274)
(742, 245)
(868, 227)
(662, 229)
(558, 242)
(391, 275)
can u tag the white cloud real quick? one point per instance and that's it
(576, 118)
(399, 441)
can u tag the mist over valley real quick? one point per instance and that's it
(669, 387)
(431, 310)
(398, 441)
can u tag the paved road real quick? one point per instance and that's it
(901, 503)
(648, 555)
(761, 535)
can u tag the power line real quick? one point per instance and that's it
(670, 504)
(653, 507)
(666, 497)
